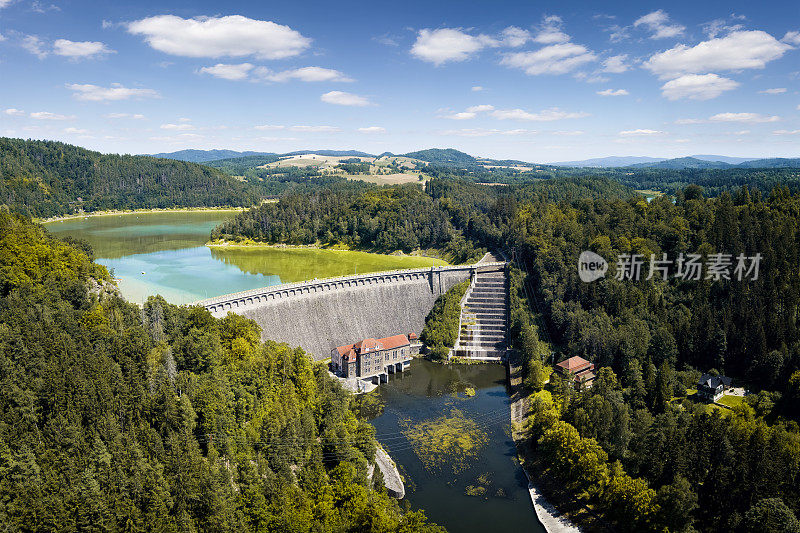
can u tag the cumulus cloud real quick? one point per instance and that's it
(229, 36)
(228, 72)
(470, 112)
(616, 64)
(697, 87)
(736, 51)
(177, 127)
(786, 132)
(134, 116)
(743, 117)
(476, 88)
(612, 92)
(792, 37)
(35, 46)
(269, 127)
(76, 131)
(640, 133)
(372, 129)
(550, 31)
(776, 90)
(515, 37)
(80, 49)
(46, 115)
(307, 74)
(546, 115)
(449, 44)
(12, 112)
(345, 98)
(96, 93)
(315, 129)
(659, 24)
(554, 59)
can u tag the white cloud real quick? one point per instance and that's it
(230, 36)
(307, 74)
(35, 46)
(14, 112)
(344, 98)
(612, 92)
(515, 37)
(5, 3)
(476, 88)
(46, 115)
(177, 127)
(448, 44)
(80, 49)
(743, 117)
(228, 72)
(553, 59)
(697, 87)
(792, 37)
(684, 121)
(616, 64)
(641, 133)
(269, 127)
(717, 26)
(372, 129)
(786, 132)
(777, 90)
(736, 51)
(95, 93)
(135, 116)
(550, 31)
(315, 129)
(659, 24)
(76, 131)
(543, 116)
(461, 115)
(470, 112)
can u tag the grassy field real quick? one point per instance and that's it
(731, 401)
(390, 179)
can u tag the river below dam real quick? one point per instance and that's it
(483, 490)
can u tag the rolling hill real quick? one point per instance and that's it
(203, 156)
(47, 178)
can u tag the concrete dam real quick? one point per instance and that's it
(319, 315)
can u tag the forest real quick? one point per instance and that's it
(638, 446)
(46, 178)
(120, 418)
(356, 215)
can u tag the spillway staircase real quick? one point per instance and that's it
(483, 332)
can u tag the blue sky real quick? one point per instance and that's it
(538, 81)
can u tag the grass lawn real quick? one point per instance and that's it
(731, 401)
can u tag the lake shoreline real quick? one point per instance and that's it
(255, 245)
(154, 210)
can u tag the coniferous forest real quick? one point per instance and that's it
(162, 418)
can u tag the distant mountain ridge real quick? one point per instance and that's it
(202, 156)
(453, 157)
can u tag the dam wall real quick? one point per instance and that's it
(319, 315)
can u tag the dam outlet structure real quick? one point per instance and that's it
(319, 315)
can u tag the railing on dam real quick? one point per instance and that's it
(229, 302)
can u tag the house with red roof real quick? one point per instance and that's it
(372, 358)
(579, 368)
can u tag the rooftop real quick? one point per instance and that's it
(574, 364)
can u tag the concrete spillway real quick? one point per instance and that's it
(321, 314)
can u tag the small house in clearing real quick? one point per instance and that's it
(372, 359)
(578, 367)
(711, 388)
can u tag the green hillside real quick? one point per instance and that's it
(46, 178)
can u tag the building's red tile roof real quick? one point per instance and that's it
(575, 364)
(368, 345)
(395, 341)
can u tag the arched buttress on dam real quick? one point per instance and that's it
(321, 314)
